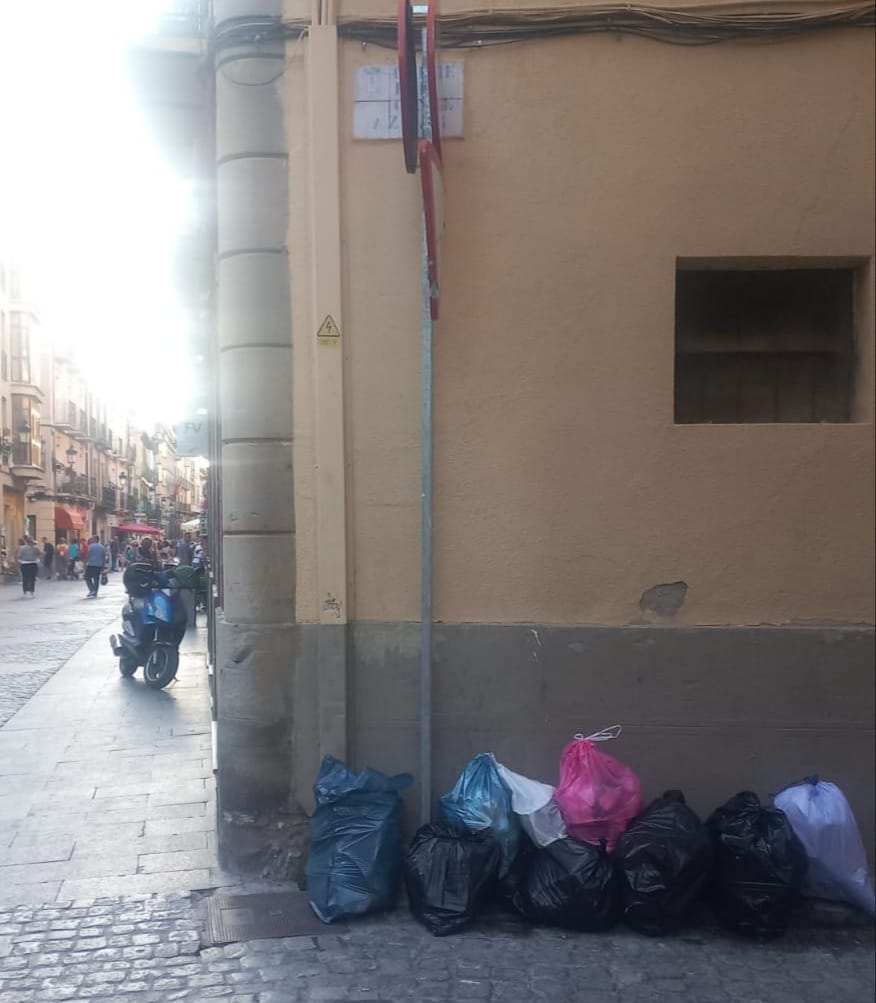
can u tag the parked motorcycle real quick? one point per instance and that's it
(153, 624)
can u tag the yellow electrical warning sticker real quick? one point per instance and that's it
(329, 333)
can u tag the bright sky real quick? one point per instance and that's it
(85, 199)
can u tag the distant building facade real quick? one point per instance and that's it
(22, 398)
(71, 467)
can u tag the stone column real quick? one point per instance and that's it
(255, 633)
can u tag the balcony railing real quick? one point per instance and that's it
(67, 415)
(108, 496)
(77, 484)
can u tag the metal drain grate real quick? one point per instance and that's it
(263, 916)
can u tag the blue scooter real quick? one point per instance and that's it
(153, 625)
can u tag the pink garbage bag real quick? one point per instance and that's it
(598, 797)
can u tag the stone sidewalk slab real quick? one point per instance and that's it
(106, 786)
(38, 636)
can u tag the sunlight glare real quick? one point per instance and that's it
(86, 202)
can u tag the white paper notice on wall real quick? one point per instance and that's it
(377, 109)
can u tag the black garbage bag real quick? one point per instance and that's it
(572, 885)
(511, 883)
(664, 860)
(759, 866)
(450, 874)
(355, 858)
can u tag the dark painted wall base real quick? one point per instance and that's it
(711, 710)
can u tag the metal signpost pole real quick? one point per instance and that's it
(426, 534)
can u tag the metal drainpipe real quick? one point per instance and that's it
(426, 565)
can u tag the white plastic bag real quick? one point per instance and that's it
(534, 803)
(823, 820)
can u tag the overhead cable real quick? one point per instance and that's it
(704, 24)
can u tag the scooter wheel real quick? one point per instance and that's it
(127, 665)
(161, 666)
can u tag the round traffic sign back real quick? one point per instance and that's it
(407, 84)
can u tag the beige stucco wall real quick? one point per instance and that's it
(563, 488)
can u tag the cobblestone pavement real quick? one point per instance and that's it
(37, 636)
(151, 950)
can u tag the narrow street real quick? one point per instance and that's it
(105, 786)
(107, 860)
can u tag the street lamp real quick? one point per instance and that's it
(123, 483)
(59, 467)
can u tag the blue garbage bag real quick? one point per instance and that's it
(355, 858)
(481, 800)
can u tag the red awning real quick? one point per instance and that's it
(136, 527)
(65, 518)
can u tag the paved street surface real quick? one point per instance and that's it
(105, 786)
(37, 636)
(107, 855)
(151, 950)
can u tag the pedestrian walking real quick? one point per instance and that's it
(29, 557)
(48, 559)
(61, 560)
(184, 550)
(114, 555)
(94, 562)
(72, 560)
